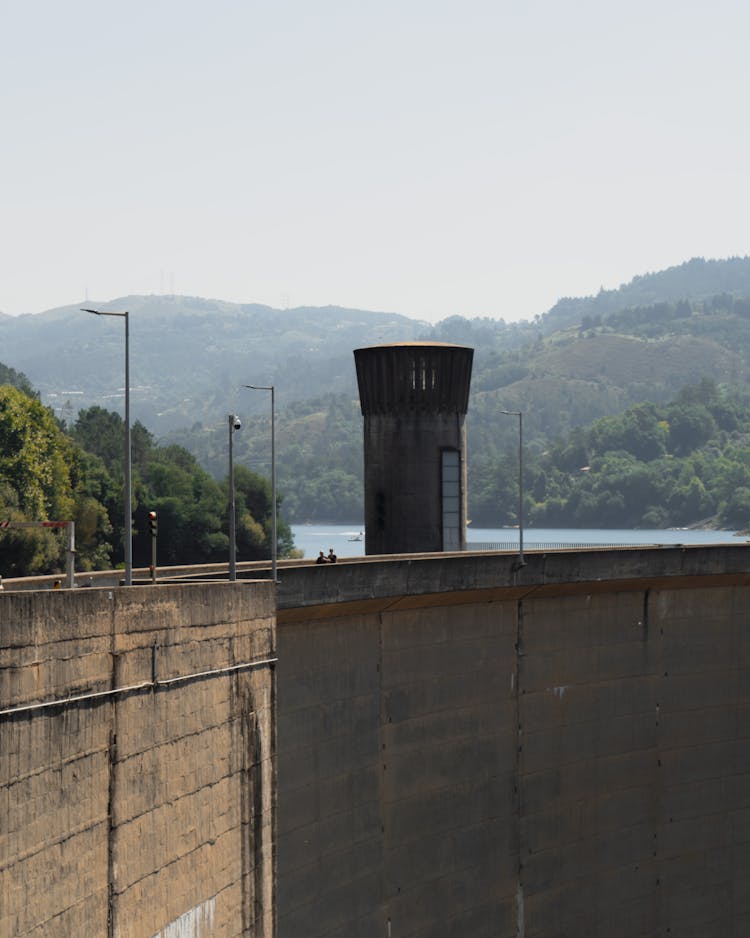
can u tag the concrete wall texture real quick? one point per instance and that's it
(149, 811)
(470, 749)
(464, 748)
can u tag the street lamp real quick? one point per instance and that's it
(234, 424)
(128, 491)
(516, 413)
(274, 547)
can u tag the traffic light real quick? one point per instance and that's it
(152, 523)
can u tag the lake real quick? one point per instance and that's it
(343, 538)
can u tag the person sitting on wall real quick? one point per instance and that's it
(321, 558)
(332, 558)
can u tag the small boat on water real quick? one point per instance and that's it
(355, 537)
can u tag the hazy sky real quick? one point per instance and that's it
(482, 157)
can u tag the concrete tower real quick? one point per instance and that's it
(414, 399)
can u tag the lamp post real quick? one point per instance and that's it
(128, 490)
(234, 424)
(274, 547)
(516, 413)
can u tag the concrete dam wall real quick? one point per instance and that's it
(137, 762)
(462, 747)
(468, 749)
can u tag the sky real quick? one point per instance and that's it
(425, 157)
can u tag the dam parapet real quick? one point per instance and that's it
(423, 744)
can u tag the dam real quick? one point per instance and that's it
(414, 745)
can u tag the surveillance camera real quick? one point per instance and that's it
(236, 423)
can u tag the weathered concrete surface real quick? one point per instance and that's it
(147, 812)
(423, 579)
(466, 749)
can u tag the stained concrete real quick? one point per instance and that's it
(471, 749)
(466, 747)
(150, 810)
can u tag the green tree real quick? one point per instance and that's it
(101, 432)
(690, 502)
(44, 476)
(35, 457)
(253, 498)
(17, 380)
(189, 506)
(637, 431)
(736, 512)
(690, 426)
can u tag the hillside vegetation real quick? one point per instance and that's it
(683, 463)
(584, 360)
(189, 357)
(48, 474)
(561, 382)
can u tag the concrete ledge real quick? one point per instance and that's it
(410, 581)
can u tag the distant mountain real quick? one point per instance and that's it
(189, 356)
(584, 359)
(696, 279)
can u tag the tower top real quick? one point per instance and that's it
(414, 377)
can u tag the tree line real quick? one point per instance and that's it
(683, 463)
(50, 472)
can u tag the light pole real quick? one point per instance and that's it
(516, 413)
(234, 424)
(274, 548)
(128, 491)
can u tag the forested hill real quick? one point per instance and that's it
(189, 356)
(599, 367)
(643, 342)
(697, 279)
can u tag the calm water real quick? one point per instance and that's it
(342, 537)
